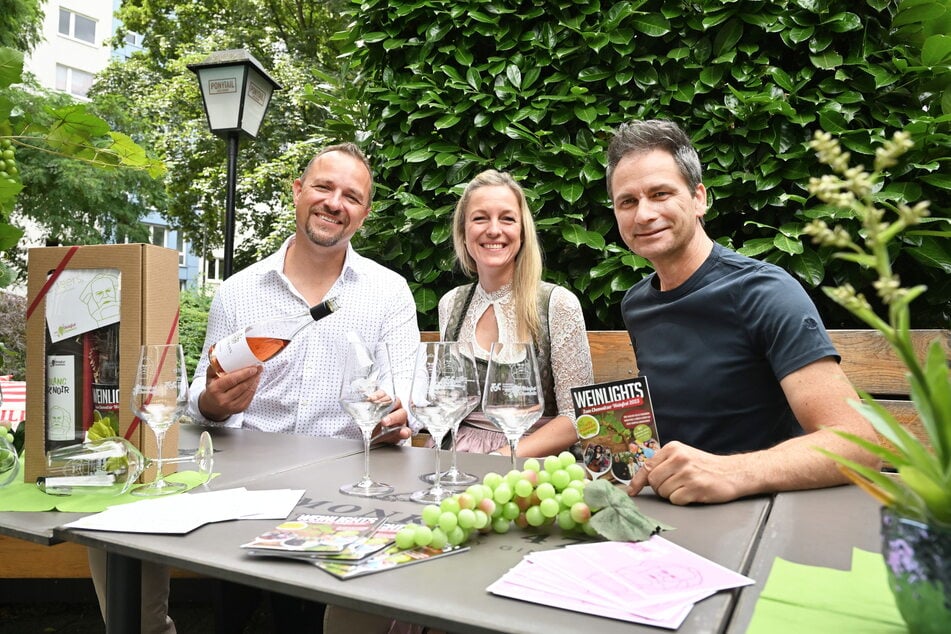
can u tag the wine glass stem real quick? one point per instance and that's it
(452, 454)
(513, 446)
(437, 477)
(159, 476)
(366, 455)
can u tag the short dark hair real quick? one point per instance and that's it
(349, 149)
(637, 137)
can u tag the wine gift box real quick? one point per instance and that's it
(85, 283)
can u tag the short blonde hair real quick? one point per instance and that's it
(528, 261)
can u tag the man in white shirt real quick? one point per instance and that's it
(297, 391)
(332, 199)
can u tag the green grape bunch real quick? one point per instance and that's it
(544, 492)
(7, 457)
(9, 172)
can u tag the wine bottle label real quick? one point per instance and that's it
(60, 397)
(92, 480)
(105, 397)
(233, 352)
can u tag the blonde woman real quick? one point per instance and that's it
(495, 242)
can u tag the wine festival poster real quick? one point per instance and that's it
(615, 422)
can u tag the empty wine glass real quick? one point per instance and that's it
(512, 398)
(438, 398)
(453, 477)
(367, 395)
(110, 466)
(159, 399)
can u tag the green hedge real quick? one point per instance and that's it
(444, 90)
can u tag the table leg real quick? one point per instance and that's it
(123, 594)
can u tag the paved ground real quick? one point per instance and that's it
(71, 608)
(80, 618)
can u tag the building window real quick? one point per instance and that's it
(162, 236)
(158, 235)
(77, 26)
(213, 268)
(72, 80)
(133, 39)
(180, 247)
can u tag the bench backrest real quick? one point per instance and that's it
(867, 360)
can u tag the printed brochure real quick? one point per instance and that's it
(309, 535)
(390, 558)
(615, 422)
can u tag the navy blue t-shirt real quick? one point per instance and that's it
(715, 348)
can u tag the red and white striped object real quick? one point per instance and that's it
(13, 408)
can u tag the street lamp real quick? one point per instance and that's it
(236, 91)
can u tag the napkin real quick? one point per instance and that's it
(22, 496)
(799, 598)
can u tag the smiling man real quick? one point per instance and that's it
(744, 380)
(297, 391)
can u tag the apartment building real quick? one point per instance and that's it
(76, 45)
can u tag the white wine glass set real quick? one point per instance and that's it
(444, 390)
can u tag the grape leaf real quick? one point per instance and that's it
(618, 518)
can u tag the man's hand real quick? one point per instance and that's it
(228, 394)
(394, 426)
(683, 475)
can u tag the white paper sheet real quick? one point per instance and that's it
(179, 514)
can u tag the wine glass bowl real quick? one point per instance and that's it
(512, 398)
(453, 477)
(438, 400)
(9, 462)
(366, 395)
(159, 399)
(110, 466)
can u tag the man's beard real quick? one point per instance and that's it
(321, 239)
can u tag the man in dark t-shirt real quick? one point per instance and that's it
(744, 380)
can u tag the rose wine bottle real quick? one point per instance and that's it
(260, 342)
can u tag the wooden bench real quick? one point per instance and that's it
(867, 360)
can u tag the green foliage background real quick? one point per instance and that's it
(192, 323)
(535, 88)
(13, 335)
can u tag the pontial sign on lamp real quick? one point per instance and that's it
(236, 91)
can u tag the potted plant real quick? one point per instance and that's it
(916, 499)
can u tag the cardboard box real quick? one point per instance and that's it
(148, 314)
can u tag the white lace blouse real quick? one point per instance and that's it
(570, 354)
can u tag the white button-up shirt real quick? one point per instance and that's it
(300, 387)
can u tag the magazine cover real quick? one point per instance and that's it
(390, 558)
(309, 534)
(362, 548)
(615, 422)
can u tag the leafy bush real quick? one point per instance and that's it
(192, 323)
(536, 88)
(13, 335)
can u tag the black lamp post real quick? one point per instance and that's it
(236, 91)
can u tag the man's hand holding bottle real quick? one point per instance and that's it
(229, 393)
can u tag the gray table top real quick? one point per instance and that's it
(448, 593)
(240, 456)
(816, 528)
